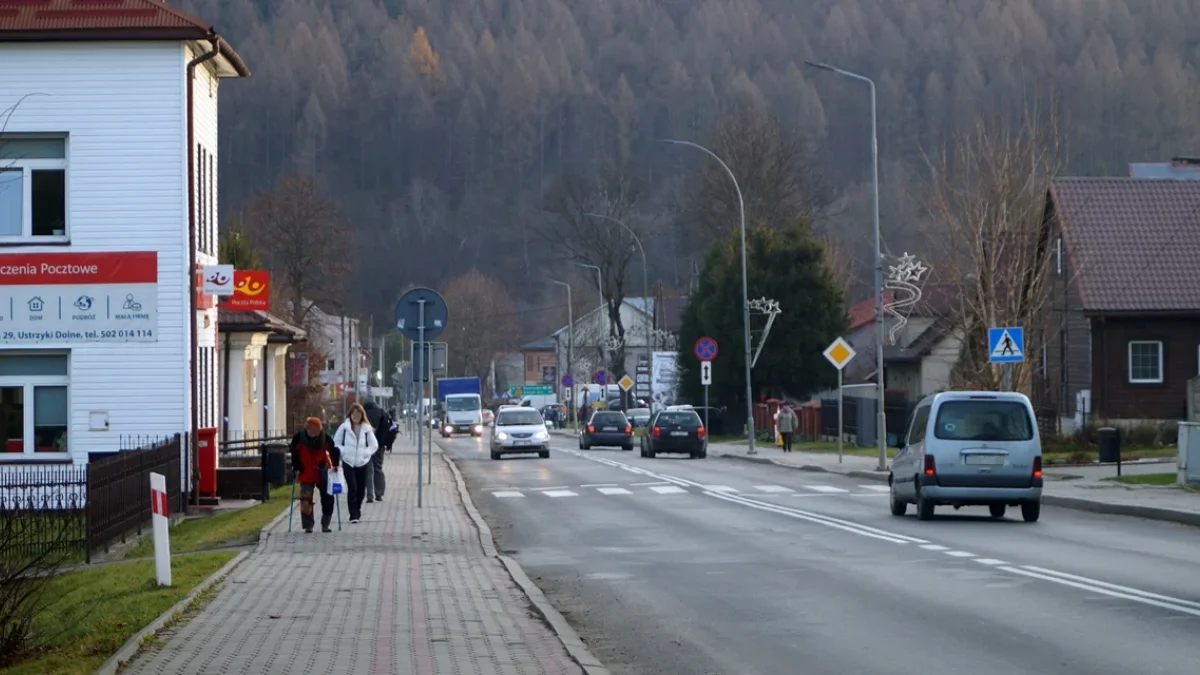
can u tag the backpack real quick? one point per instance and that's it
(385, 433)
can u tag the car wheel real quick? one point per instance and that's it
(544, 454)
(704, 453)
(642, 451)
(1031, 511)
(495, 454)
(997, 510)
(627, 447)
(650, 453)
(899, 508)
(924, 508)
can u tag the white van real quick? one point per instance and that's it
(969, 448)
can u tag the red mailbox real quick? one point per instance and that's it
(206, 461)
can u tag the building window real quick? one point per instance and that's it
(33, 189)
(212, 206)
(1145, 362)
(331, 364)
(33, 403)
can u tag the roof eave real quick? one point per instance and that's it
(236, 66)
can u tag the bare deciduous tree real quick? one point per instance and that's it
(598, 241)
(484, 322)
(305, 241)
(990, 242)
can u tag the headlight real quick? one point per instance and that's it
(449, 428)
(500, 435)
(479, 428)
(541, 435)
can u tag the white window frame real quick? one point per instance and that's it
(28, 166)
(1129, 362)
(29, 382)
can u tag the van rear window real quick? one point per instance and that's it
(983, 421)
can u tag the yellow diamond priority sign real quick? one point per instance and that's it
(626, 383)
(839, 353)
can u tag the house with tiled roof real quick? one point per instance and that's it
(1123, 333)
(108, 207)
(255, 369)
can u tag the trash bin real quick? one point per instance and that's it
(275, 463)
(1108, 439)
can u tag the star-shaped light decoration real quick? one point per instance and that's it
(908, 271)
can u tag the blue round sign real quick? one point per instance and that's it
(421, 305)
(601, 378)
(706, 349)
(568, 380)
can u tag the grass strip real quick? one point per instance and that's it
(224, 529)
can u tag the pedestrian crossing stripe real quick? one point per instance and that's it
(668, 489)
(1007, 347)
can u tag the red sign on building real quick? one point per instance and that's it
(251, 291)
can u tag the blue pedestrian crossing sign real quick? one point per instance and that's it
(1006, 345)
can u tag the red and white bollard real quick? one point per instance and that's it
(161, 528)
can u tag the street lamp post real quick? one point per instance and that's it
(881, 423)
(570, 346)
(745, 290)
(645, 275)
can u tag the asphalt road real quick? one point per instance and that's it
(719, 567)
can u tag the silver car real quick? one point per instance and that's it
(519, 431)
(969, 449)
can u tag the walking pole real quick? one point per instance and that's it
(292, 502)
(337, 502)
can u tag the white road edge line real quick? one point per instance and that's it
(959, 554)
(1113, 587)
(935, 547)
(990, 561)
(1138, 596)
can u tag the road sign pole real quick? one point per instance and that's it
(421, 404)
(1008, 377)
(707, 429)
(841, 410)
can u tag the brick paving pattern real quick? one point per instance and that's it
(406, 591)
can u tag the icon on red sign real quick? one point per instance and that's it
(251, 291)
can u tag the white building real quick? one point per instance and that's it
(340, 341)
(108, 184)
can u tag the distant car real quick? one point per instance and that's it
(676, 431)
(519, 430)
(969, 449)
(607, 428)
(488, 416)
(638, 417)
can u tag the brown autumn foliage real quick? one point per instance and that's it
(483, 321)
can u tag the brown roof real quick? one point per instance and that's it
(83, 20)
(1131, 242)
(230, 321)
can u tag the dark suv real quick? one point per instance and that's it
(607, 428)
(676, 431)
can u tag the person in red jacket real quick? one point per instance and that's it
(313, 455)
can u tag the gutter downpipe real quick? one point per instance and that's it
(191, 271)
(225, 390)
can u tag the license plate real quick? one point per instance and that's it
(610, 428)
(988, 460)
(679, 433)
(521, 442)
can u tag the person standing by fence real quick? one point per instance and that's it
(356, 441)
(787, 424)
(313, 455)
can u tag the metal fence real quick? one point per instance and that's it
(249, 444)
(897, 412)
(43, 513)
(118, 488)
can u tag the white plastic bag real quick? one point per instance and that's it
(337, 481)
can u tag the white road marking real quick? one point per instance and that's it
(935, 547)
(773, 488)
(559, 493)
(668, 489)
(507, 493)
(876, 488)
(1103, 588)
(719, 488)
(795, 514)
(613, 491)
(824, 488)
(960, 554)
(990, 561)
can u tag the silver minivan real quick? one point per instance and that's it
(967, 448)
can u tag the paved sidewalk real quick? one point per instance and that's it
(405, 592)
(1079, 488)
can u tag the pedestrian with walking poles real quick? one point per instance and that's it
(356, 441)
(314, 456)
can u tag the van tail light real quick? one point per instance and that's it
(700, 432)
(591, 428)
(930, 466)
(629, 428)
(656, 432)
(1037, 467)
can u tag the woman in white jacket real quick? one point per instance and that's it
(356, 439)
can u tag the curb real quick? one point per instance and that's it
(134, 644)
(570, 640)
(1074, 503)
